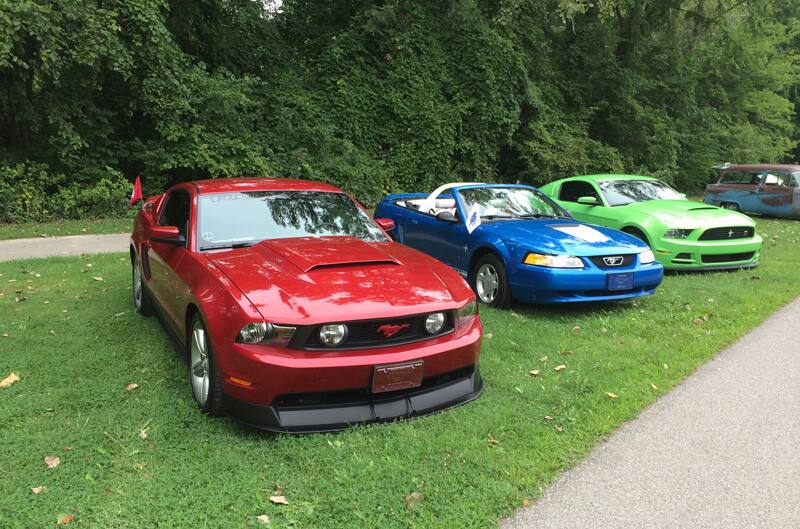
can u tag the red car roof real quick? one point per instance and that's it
(761, 168)
(223, 185)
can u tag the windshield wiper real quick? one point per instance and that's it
(541, 216)
(227, 246)
(493, 217)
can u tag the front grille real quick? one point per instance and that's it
(723, 234)
(365, 333)
(598, 260)
(728, 257)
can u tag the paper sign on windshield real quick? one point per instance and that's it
(473, 219)
(584, 233)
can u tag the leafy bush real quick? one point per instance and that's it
(30, 193)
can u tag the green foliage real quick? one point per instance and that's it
(382, 96)
(30, 192)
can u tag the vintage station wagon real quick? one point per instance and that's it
(772, 190)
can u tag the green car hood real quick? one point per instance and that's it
(687, 214)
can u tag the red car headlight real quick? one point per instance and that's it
(467, 311)
(265, 332)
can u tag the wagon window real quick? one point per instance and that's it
(738, 177)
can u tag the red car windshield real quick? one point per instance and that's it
(242, 219)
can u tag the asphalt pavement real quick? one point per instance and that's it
(39, 247)
(721, 451)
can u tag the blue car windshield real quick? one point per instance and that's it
(622, 192)
(510, 203)
(241, 219)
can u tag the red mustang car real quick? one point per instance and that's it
(296, 310)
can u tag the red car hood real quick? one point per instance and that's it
(305, 281)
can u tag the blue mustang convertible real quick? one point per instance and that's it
(513, 242)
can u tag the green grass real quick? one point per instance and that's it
(65, 227)
(76, 343)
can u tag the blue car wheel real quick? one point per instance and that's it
(490, 281)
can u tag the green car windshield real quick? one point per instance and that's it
(510, 203)
(622, 192)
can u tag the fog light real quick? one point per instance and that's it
(434, 322)
(332, 335)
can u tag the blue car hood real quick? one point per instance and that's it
(560, 236)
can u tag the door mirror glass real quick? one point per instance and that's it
(589, 201)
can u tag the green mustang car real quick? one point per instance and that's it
(684, 235)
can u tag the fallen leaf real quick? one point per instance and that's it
(525, 503)
(666, 366)
(548, 418)
(493, 441)
(565, 353)
(558, 428)
(576, 329)
(9, 380)
(698, 321)
(97, 278)
(278, 489)
(543, 359)
(560, 367)
(603, 330)
(413, 499)
(653, 386)
(66, 519)
(279, 500)
(52, 461)
(488, 335)
(263, 518)
(142, 434)
(534, 372)
(131, 387)
(611, 395)
(5, 335)
(39, 489)
(118, 314)
(139, 466)
(52, 332)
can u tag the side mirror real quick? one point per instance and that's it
(589, 201)
(446, 216)
(386, 224)
(168, 234)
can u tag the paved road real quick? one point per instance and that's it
(72, 245)
(720, 451)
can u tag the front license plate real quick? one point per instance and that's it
(620, 281)
(396, 377)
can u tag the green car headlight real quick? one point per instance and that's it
(677, 234)
(646, 256)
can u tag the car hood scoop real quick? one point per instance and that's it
(311, 280)
(319, 252)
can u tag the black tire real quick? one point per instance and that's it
(142, 301)
(733, 206)
(214, 398)
(639, 234)
(491, 264)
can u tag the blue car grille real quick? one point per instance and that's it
(612, 261)
(722, 234)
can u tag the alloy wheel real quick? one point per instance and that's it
(487, 283)
(198, 361)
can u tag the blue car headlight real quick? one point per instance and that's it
(553, 261)
(646, 256)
